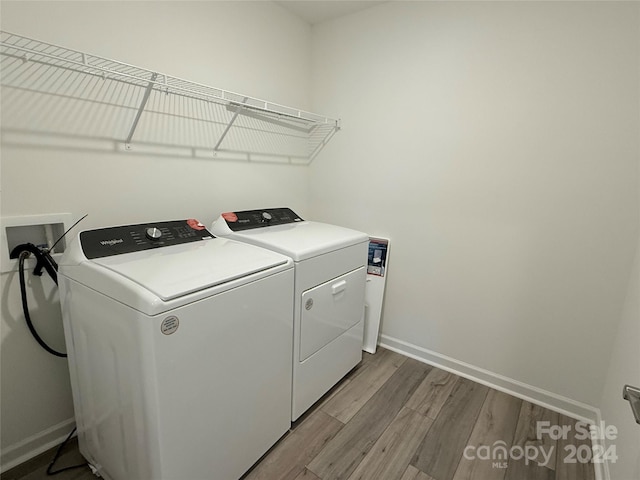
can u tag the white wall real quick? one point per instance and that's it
(496, 144)
(255, 48)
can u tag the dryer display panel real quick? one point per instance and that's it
(249, 219)
(105, 242)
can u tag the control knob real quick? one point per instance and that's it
(153, 233)
(266, 217)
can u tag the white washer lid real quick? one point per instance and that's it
(300, 240)
(175, 271)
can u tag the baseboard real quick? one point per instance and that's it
(34, 445)
(544, 398)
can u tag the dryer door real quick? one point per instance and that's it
(330, 309)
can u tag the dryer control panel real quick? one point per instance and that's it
(249, 219)
(105, 242)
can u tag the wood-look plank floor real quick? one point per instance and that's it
(394, 418)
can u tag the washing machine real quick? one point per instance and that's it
(330, 276)
(179, 349)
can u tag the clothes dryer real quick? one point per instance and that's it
(330, 277)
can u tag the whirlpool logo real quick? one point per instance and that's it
(112, 242)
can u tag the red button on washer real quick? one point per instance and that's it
(195, 224)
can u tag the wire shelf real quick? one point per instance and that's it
(53, 90)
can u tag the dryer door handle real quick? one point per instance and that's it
(336, 288)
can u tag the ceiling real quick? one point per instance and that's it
(317, 11)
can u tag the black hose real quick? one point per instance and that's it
(43, 258)
(23, 294)
(50, 470)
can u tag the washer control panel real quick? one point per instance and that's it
(105, 242)
(249, 219)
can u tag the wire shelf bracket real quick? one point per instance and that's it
(53, 90)
(145, 99)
